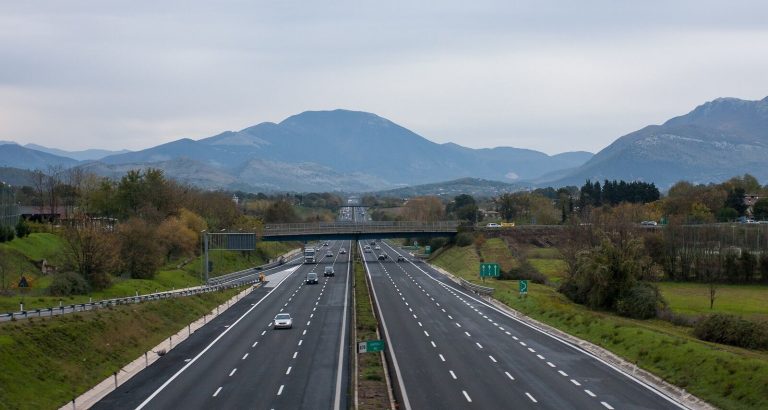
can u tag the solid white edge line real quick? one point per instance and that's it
(406, 402)
(558, 339)
(199, 355)
(340, 368)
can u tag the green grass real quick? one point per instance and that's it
(167, 278)
(372, 388)
(496, 250)
(728, 377)
(693, 299)
(553, 269)
(39, 246)
(544, 253)
(46, 362)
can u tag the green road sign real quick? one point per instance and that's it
(370, 346)
(427, 249)
(523, 286)
(489, 270)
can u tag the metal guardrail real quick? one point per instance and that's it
(82, 307)
(359, 228)
(483, 290)
(228, 281)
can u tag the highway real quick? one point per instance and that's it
(239, 361)
(453, 351)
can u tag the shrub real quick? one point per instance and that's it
(68, 283)
(464, 239)
(437, 243)
(642, 301)
(6, 233)
(524, 271)
(732, 330)
(22, 228)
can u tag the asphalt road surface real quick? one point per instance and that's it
(454, 351)
(239, 361)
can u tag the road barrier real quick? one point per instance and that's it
(482, 290)
(228, 281)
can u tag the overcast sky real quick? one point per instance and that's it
(547, 75)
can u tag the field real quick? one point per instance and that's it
(548, 261)
(693, 299)
(46, 362)
(727, 377)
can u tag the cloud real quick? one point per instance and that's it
(551, 76)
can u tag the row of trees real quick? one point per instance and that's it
(615, 192)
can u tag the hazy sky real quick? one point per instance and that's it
(547, 75)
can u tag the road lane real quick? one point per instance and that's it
(487, 358)
(253, 363)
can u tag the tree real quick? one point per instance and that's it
(506, 206)
(140, 255)
(176, 239)
(90, 251)
(760, 209)
(424, 209)
(281, 212)
(465, 208)
(735, 200)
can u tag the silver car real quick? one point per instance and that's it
(283, 321)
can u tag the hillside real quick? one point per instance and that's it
(345, 150)
(473, 186)
(714, 142)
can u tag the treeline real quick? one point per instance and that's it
(126, 227)
(615, 192)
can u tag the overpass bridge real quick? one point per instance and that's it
(341, 230)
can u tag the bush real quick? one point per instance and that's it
(68, 283)
(464, 239)
(6, 233)
(437, 243)
(525, 271)
(732, 330)
(641, 301)
(22, 229)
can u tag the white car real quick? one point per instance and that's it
(283, 321)
(649, 223)
(342, 251)
(493, 225)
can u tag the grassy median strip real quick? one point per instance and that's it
(372, 386)
(46, 362)
(728, 377)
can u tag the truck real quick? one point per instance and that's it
(309, 255)
(507, 224)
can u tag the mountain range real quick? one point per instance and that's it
(714, 142)
(353, 151)
(336, 150)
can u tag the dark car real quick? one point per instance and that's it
(329, 271)
(383, 256)
(401, 258)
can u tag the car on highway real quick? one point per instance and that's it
(342, 251)
(377, 247)
(329, 271)
(383, 257)
(493, 225)
(283, 321)
(329, 254)
(325, 243)
(367, 249)
(649, 223)
(311, 278)
(401, 258)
